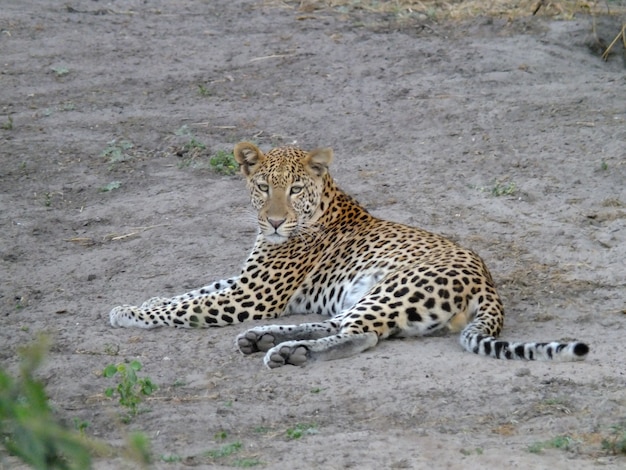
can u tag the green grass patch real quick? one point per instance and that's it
(224, 162)
(503, 189)
(118, 151)
(224, 451)
(171, 458)
(110, 186)
(616, 442)
(230, 454)
(246, 463)
(8, 124)
(300, 430)
(558, 442)
(204, 91)
(498, 188)
(60, 71)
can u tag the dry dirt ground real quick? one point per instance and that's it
(509, 137)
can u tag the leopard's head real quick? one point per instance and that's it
(286, 187)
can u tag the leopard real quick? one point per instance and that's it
(318, 250)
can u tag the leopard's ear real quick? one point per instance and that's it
(248, 156)
(319, 160)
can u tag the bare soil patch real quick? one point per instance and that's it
(509, 136)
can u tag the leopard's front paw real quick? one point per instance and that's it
(122, 316)
(128, 315)
(255, 340)
(291, 352)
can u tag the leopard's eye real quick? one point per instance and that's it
(263, 187)
(296, 189)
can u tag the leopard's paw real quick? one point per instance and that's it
(128, 315)
(291, 352)
(255, 340)
(122, 316)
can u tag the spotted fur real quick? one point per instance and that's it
(319, 251)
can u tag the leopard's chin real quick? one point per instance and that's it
(275, 238)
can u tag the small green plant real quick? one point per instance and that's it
(60, 71)
(220, 436)
(616, 444)
(179, 383)
(111, 349)
(467, 452)
(300, 430)
(183, 130)
(225, 454)
(131, 389)
(171, 458)
(138, 448)
(30, 431)
(247, 463)
(556, 401)
(117, 152)
(225, 451)
(503, 189)
(224, 162)
(193, 144)
(8, 124)
(190, 151)
(67, 106)
(110, 186)
(604, 166)
(204, 91)
(81, 426)
(193, 151)
(558, 442)
(28, 428)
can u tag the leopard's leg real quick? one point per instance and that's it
(263, 338)
(333, 347)
(391, 307)
(214, 287)
(353, 337)
(235, 302)
(266, 337)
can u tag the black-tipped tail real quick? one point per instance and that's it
(484, 345)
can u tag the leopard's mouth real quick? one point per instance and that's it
(275, 238)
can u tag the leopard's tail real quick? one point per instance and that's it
(473, 340)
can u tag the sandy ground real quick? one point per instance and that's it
(509, 137)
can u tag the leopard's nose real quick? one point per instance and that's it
(276, 222)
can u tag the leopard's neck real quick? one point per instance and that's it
(338, 210)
